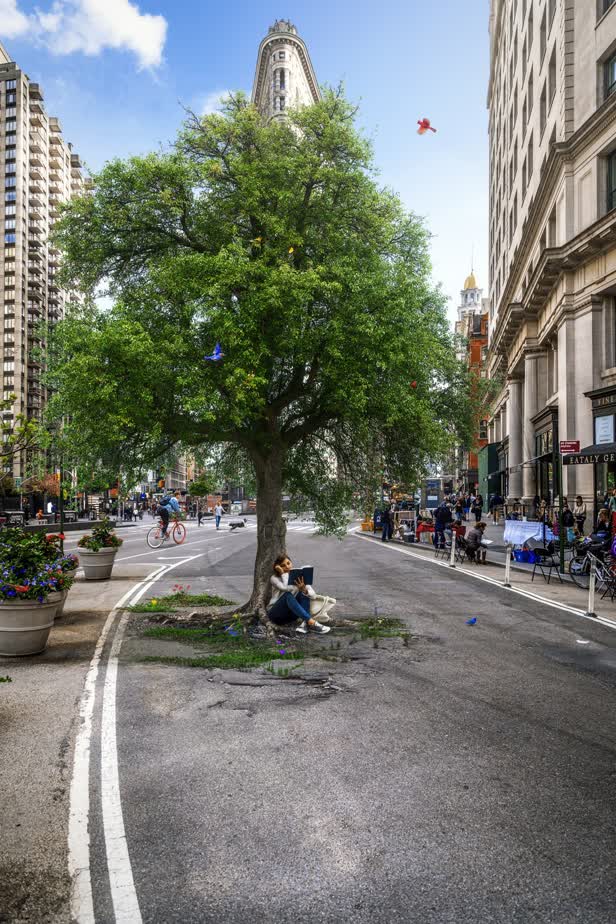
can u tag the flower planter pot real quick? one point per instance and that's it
(59, 599)
(24, 626)
(97, 566)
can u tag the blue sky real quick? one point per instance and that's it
(117, 74)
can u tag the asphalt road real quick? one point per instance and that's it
(470, 777)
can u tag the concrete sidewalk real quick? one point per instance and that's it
(37, 724)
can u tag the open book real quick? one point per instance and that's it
(306, 572)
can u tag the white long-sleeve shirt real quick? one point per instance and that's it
(280, 586)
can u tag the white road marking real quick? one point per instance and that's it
(82, 906)
(488, 580)
(121, 882)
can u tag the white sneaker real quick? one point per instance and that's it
(319, 629)
(302, 630)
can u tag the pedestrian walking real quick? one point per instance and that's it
(495, 505)
(199, 515)
(219, 511)
(459, 511)
(478, 508)
(579, 512)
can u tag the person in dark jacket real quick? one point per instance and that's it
(442, 520)
(387, 519)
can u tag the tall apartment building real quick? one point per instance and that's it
(38, 170)
(552, 108)
(284, 76)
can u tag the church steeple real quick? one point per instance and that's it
(284, 77)
(470, 297)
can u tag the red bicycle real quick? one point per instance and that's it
(176, 530)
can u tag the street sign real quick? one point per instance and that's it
(568, 446)
(18, 482)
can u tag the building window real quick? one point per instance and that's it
(611, 181)
(11, 84)
(10, 197)
(11, 126)
(543, 110)
(11, 113)
(552, 76)
(282, 55)
(9, 238)
(610, 76)
(11, 167)
(483, 430)
(543, 36)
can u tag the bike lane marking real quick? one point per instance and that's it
(610, 624)
(82, 905)
(121, 882)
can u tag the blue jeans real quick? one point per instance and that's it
(217, 521)
(388, 531)
(289, 607)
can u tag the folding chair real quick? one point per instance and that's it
(544, 561)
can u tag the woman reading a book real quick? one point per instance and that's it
(291, 602)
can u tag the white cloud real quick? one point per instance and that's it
(206, 105)
(90, 26)
(12, 21)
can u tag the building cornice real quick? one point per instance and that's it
(555, 260)
(265, 48)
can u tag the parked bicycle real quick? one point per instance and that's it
(589, 555)
(176, 531)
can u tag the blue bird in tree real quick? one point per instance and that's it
(472, 621)
(216, 355)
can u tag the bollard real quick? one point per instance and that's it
(452, 560)
(591, 589)
(507, 566)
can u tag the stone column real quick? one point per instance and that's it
(514, 421)
(531, 407)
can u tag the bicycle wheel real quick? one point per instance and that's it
(579, 569)
(179, 533)
(154, 537)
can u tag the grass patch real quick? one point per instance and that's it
(241, 659)
(383, 627)
(6, 679)
(171, 602)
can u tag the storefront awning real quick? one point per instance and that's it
(603, 452)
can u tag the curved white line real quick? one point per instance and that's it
(82, 905)
(122, 885)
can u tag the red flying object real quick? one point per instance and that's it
(424, 126)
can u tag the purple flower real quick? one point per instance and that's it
(282, 651)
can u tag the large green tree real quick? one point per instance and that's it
(276, 241)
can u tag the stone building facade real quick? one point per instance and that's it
(552, 107)
(284, 76)
(38, 170)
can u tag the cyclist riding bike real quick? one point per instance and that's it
(167, 505)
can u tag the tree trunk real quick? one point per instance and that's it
(271, 528)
